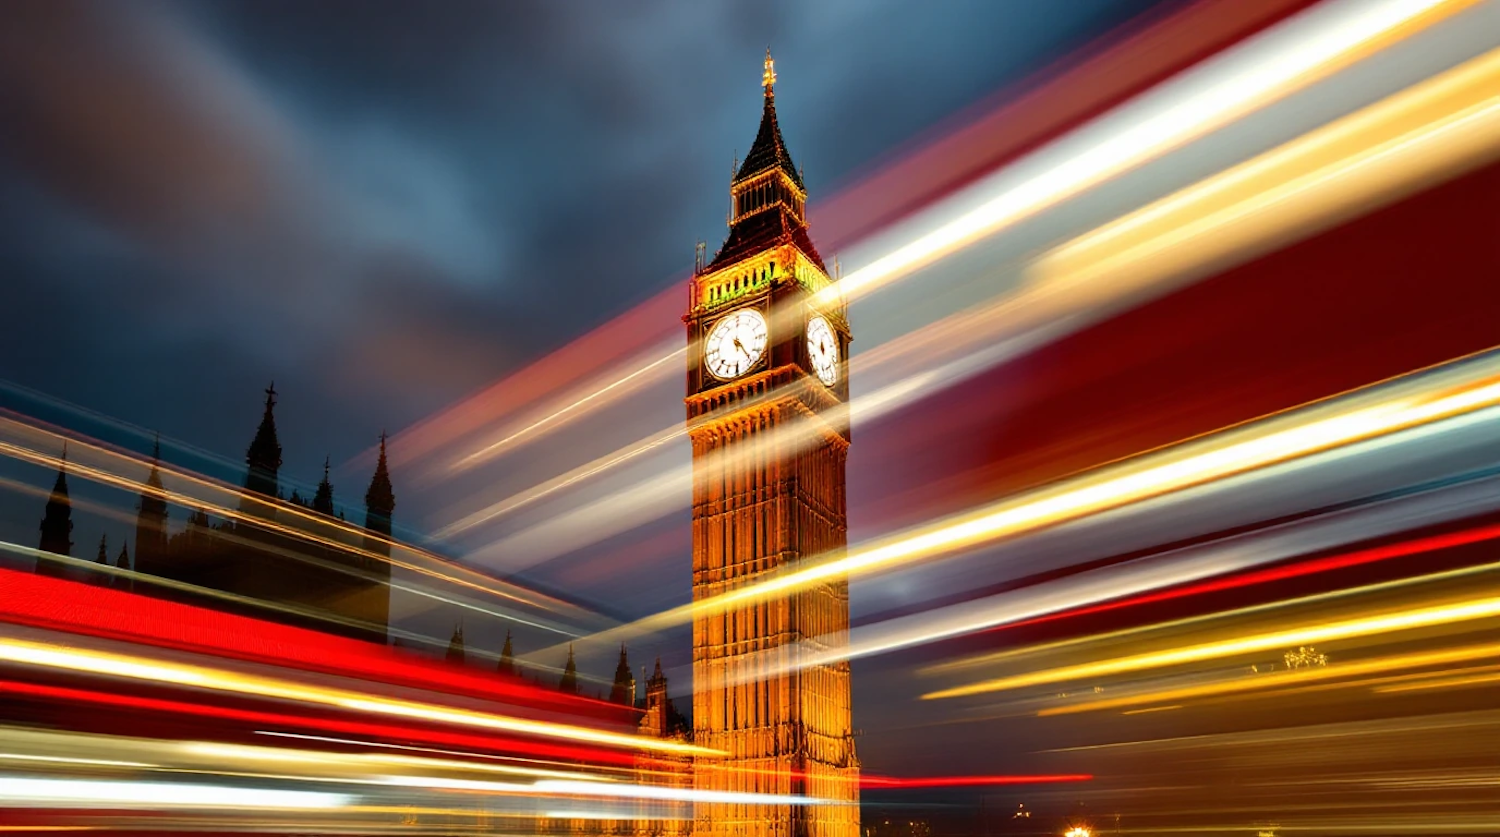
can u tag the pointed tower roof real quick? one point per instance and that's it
(264, 455)
(569, 681)
(456, 646)
(103, 556)
(769, 149)
(322, 501)
(767, 192)
(154, 478)
(381, 498)
(507, 664)
(57, 520)
(623, 690)
(123, 562)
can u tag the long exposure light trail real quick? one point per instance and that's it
(1271, 66)
(674, 794)
(1102, 76)
(44, 655)
(1358, 163)
(466, 754)
(239, 752)
(1295, 53)
(1285, 679)
(220, 714)
(313, 526)
(95, 793)
(1464, 611)
(1430, 130)
(1299, 570)
(1452, 391)
(568, 411)
(1110, 587)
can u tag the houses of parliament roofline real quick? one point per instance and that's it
(277, 569)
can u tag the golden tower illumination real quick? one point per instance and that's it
(765, 367)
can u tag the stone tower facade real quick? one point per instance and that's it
(765, 388)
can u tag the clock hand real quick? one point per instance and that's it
(741, 347)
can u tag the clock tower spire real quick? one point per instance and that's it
(765, 391)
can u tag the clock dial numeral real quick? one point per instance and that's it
(735, 344)
(823, 350)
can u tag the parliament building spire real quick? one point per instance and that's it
(57, 520)
(264, 456)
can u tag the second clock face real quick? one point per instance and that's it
(735, 344)
(823, 350)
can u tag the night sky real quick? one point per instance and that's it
(385, 206)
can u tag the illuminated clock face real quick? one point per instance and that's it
(823, 350)
(735, 344)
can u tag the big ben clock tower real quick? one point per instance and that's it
(765, 384)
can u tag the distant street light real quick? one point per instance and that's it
(1077, 831)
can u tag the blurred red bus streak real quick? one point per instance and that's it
(279, 722)
(90, 610)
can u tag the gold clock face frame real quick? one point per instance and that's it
(735, 343)
(823, 350)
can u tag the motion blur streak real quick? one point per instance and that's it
(1299, 570)
(1430, 131)
(1464, 611)
(99, 662)
(674, 794)
(969, 781)
(72, 792)
(221, 713)
(562, 481)
(236, 752)
(1272, 65)
(1288, 679)
(555, 420)
(1089, 84)
(467, 755)
(1443, 683)
(1268, 67)
(114, 465)
(1450, 391)
(1379, 154)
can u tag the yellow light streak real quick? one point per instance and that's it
(71, 760)
(1352, 32)
(1444, 683)
(465, 754)
(99, 793)
(1354, 165)
(370, 760)
(596, 815)
(1286, 679)
(1465, 611)
(39, 654)
(1294, 435)
(1151, 709)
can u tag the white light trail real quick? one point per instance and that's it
(1286, 58)
(45, 793)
